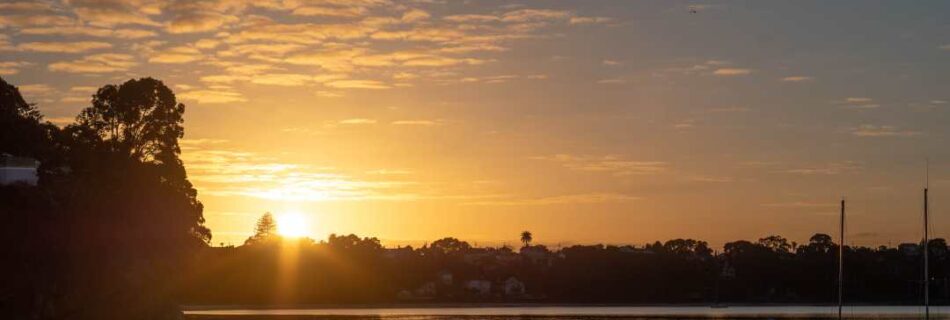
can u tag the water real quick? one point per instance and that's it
(576, 313)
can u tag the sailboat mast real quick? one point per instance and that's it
(841, 262)
(926, 258)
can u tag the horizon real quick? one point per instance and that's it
(594, 122)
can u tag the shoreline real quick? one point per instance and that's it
(484, 305)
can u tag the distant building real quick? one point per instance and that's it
(18, 170)
(536, 254)
(446, 278)
(512, 287)
(478, 287)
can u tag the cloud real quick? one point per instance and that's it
(110, 13)
(67, 47)
(797, 79)
(35, 89)
(571, 199)
(526, 15)
(357, 121)
(90, 31)
(357, 84)
(611, 62)
(427, 123)
(859, 103)
(282, 79)
(192, 22)
(589, 20)
(327, 11)
(222, 172)
(179, 54)
(212, 96)
(12, 67)
(414, 15)
(832, 168)
(611, 164)
(801, 204)
(97, 63)
(870, 130)
(730, 72)
(612, 81)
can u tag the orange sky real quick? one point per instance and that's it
(582, 121)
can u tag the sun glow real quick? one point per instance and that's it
(292, 225)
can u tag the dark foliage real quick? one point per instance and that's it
(349, 269)
(113, 220)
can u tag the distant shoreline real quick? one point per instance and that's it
(510, 305)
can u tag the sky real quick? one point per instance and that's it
(620, 122)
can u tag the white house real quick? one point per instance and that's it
(18, 170)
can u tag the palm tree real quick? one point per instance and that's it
(526, 238)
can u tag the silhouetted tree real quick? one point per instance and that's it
(21, 130)
(526, 238)
(264, 231)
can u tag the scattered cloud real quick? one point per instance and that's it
(612, 81)
(801, 204)
(425, 123)
(584, 198)
(66, 47)
(731, 72)
(97, 63)
(212, 96)
(180, 54)
(35, 89)
(611, 164)
(357, 121)
(832, 168)
(12, 67)
(357, 84)
(870, 130)
(797, 79)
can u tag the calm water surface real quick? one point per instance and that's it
(576, 313)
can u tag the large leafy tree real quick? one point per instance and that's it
(139, 118)
(114, 219)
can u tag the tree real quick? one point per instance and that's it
(21, 130)
(449, 246)
(526, 238)
(264, 230)
(776, 243)
(139, 118)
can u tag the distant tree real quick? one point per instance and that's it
(449, 245)
(264, 230)
(526, 238)
(776, 243)
(820, 243)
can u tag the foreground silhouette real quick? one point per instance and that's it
(113, 220)
(351, 269)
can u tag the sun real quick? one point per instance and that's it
(292, 225)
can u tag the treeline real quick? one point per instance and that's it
(268, 269)
(112, 221)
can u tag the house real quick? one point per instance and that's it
(478, 287)
(445, 278)
(512, 287)
(18, 170)
(536, 254)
